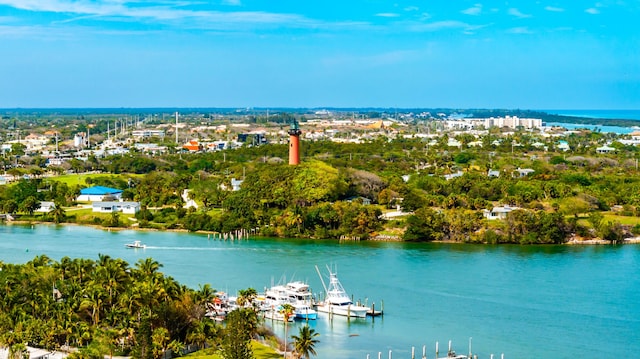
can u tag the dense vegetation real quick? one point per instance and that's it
(569, 193)
(105, 307)
(105, 303)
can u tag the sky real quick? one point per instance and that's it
(556, 54)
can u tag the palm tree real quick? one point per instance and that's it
(304, 343)
(58, 213)
(287, 311)
(246, 296)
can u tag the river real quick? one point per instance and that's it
(523, 301)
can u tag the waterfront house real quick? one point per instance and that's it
(46, 207)
(110, 207)
(499, 212)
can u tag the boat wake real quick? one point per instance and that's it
(191, 248)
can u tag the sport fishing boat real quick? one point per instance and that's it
(135, 244)
(337, 301)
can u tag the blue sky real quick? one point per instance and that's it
(555, 54)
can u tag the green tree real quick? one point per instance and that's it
(304, 343)
(58, 213)
(425, 225)
(287, 310)
(236, 342)
(246, 296)
(30, 205)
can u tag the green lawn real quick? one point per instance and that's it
(80, 179)
(260, 351)
(631, 221)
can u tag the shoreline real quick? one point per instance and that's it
(384, 238)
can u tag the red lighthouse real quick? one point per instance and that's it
(294, 143)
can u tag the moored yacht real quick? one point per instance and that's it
(337, 300)
(301, 299)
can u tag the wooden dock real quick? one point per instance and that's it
(375, 313)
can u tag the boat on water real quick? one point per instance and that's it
(135, 244)
(304, 311)
(296, 294)
(301, 298)
(275, 313)
(337, 301)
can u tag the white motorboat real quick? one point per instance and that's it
(301, 298)
(275, 314)
(337, 300)
(304, 311)
(135, 245)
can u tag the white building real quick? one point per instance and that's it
(46, 207)
(498, 212)
(140, 134)
(110, 207)
(99, 193)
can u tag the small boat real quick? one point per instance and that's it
(135, 244)
(337, 300)
(304, 311)
(275, 313)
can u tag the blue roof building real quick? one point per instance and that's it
(99, 193)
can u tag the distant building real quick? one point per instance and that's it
(498, 212)
(605, 149)
(141, 134)
(254, 139)
(363, 200)
(235, 184)
(111, 207)
(99, 193)
(523, 172)
(46, 207)
(453, 175)
(192, 146)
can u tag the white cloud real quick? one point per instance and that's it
(387, 14)
(554, 9)
(520, 30)
(592, 11)
(515, 12)
(474, 11)
(160, 11)
(442, 25)
(411, 8)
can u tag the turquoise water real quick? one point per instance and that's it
(612, 129)
(604, 114)
(523, 301)
(610, 114)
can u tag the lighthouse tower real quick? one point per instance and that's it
(294, 143)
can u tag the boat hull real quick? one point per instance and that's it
(353, 311)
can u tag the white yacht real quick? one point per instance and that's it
(301, 298)
(337, 300)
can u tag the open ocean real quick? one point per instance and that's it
(608, 114)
